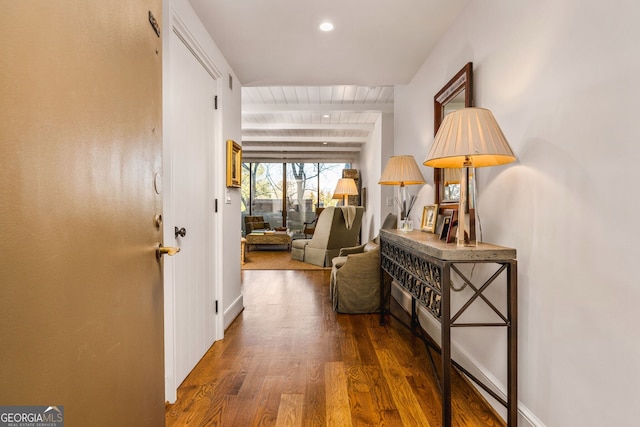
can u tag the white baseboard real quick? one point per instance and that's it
(526, 418)
(233, 311)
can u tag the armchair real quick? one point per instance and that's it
(354, 286)
(310, 226)
(255, 222)
(331, 234)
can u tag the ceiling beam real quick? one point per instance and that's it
(283, 150)
(315, 108)
(307, 126)
(278, 139)
(295, 157)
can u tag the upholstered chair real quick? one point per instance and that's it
(310, 226)
(332, 233)
(355, 276)
(255, 222)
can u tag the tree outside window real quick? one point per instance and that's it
(288, 200)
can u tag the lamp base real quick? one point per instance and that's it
(466, 232)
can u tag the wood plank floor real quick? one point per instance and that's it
(290, 360)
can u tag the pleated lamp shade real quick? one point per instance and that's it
(401, 170)
(469, 133)
(345, 187)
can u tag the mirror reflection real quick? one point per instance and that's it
(454, 104)
(455, 95)
(451, 177)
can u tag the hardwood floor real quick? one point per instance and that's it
(290, 360)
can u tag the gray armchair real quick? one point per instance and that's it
(331, 234)
(355, 277)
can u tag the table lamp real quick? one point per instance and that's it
(468, 138)
(346, 187)
(402, 171)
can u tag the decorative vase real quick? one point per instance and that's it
(406, 224)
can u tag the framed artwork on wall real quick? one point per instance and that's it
(363, 198)
(234, 164)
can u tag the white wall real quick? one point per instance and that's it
(371, 162)
(561, 79)
(230, 226)
(368, 163)
(386, 151)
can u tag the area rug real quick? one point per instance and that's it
(275, 260)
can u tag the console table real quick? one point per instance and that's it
(423, 266)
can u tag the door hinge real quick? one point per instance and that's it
(215, 205)
(216, 306)
(215, 102)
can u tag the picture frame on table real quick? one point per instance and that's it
(234, 164)
(446, 223)
(439, 224)
(453, 228)
(429, 218)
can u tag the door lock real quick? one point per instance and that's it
(180, 232)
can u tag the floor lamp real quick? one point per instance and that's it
(346, 187)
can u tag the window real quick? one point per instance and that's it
(287, 194)
(262, 191)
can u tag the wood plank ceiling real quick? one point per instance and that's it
(310, 123)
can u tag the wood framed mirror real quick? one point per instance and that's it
(456, 94)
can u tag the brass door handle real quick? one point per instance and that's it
(169, 250)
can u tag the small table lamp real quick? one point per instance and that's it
(346, 187)
(468, 138)
(402, 171)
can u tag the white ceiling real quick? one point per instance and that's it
(310, 123)
(293, 74)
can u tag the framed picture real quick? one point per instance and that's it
(439, 225)
(363, 198)
(429, 218)
(446, 223)
(234, 160)
(453, 228)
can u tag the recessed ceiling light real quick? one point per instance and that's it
(325, 116)
(326, 26)
(325, 143)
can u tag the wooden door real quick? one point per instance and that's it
(81, 306)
